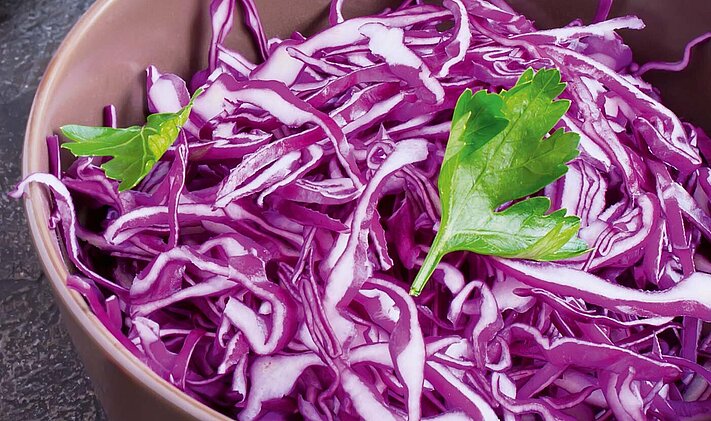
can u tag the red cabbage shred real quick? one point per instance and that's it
(262, 267)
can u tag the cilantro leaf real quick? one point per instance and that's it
(498, 153)
(134, 150)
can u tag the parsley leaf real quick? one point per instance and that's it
(497, 153)
(134, 150)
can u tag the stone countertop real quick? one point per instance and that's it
(41, 377)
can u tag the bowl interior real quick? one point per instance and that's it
(103, 60)
(670, 25)
(103, 68)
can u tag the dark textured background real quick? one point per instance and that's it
(41, 377)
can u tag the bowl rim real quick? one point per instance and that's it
(45, 241)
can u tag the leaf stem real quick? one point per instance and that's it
(428, 266)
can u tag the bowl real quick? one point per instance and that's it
(102, 61)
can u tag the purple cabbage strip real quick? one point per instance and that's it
(110, 117)
(254, 23)
(222, 18)
(165, 92)
(54, 166)
(67, 215)
(677, 66)
(335, 12)
(603, 10)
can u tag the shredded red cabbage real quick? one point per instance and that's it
(262, 267)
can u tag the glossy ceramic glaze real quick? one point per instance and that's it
(102, 62)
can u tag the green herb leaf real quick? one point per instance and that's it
(134, 150)
(497, 153)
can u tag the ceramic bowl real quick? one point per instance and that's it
(102, 61)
